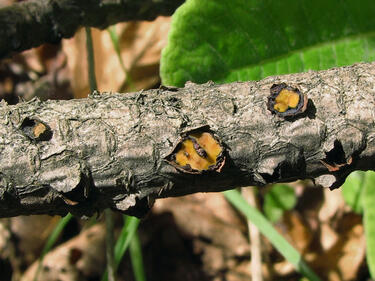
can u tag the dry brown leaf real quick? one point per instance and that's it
(32, 233)
(344, 258)
(79, 259)
(354, 253)
(296, 231)
(328, 237)
(140, 43)
(239, 272)
(209, 216)
(4, 3)
(283, 268)
(218, 234)
(22, 240)
(333, 204)
(40, 72)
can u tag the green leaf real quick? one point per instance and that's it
(240, 40)
(369, 219)
(352, 190)
(279, 198)
(266, 228)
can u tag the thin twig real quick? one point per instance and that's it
(90, 60)
(254, 236)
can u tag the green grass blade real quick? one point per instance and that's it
(109, 229)
(115, 42)
(52, 240)
(369, 219)
(135, 251)
(56, 232)
(116, 45)
(266, 228)
(127, 233)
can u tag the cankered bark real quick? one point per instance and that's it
(109, 150)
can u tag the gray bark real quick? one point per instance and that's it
(107, 150)
(31, 23)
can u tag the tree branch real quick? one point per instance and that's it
(31, 23)
(109, 150)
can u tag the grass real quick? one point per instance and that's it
(266, 228)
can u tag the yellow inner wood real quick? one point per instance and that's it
(188, 155)
(286, 99)
(39, 129)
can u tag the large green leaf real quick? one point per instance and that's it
(369, 219)
(238, 40)
(359, 193)
(352, 190)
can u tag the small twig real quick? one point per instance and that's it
(90, 60)
(254, 236)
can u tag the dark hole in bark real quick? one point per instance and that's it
(80, 193)
(140, 209)
(336, 155)
(36, 129)
(27, 123)
(311, 109)
(270, 178)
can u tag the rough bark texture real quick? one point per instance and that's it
(31, 23)
(107, 150)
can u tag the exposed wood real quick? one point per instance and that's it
(108, 150)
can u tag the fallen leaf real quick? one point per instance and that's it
(140, 47)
